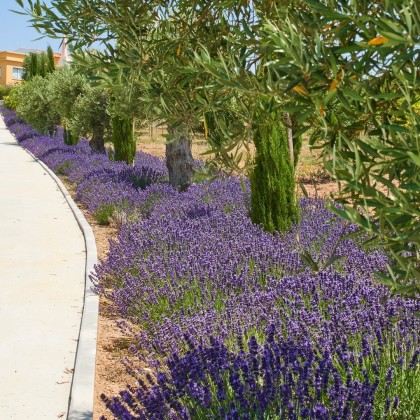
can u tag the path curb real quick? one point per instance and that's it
(82, 387)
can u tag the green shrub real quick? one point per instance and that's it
(5, 91)
(11, 100)
(103, 214)
(35, 105)
(90, 118)
(65, 87)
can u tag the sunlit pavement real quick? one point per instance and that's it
(42, 269)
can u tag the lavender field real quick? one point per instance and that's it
(235, 323)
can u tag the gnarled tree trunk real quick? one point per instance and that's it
(179, 159)
(96, 143)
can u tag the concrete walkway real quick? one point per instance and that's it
(42, 284)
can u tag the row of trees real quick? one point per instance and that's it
(342, 72)
(64, 98)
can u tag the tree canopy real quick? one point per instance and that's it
(346, 72)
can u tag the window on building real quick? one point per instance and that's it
(17, 73)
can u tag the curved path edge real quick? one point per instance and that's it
(82, 387)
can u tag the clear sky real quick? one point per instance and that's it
(16, 32)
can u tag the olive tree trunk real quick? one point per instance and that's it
(179, 159)
(289, 132)
(295, 144)
(96, 143)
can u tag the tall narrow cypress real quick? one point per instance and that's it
(41, 64)
(273, 201)
(27, 68)
(33, 71)
(50, 60)
(123, 139)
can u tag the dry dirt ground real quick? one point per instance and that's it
(112, 345)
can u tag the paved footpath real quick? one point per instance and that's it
(42, 276)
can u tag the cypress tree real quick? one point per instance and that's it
(41, 64)
(123, 139)
(273, 201)
(33, 64)
(50, 60)
(27, 75)
(38, 64)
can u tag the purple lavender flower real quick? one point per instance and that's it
(196, 395)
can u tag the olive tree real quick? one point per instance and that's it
(90, 117)
(118, 26)
(356, 66)
(141, 42)
(65, 88)
(120, 95)
(35, 105)
(348, 72)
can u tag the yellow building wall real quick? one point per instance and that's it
(9, 74)
(2, 74)
(10, 59)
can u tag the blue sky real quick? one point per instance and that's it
(16, 32)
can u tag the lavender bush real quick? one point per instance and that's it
(235, 322)
(211, 268)
(278, 379)
(106, 187)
